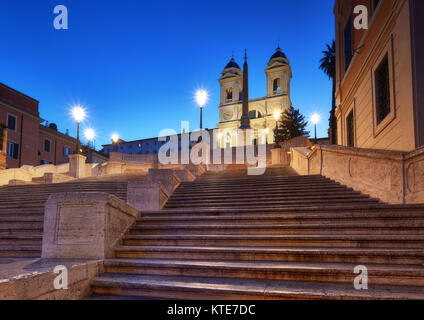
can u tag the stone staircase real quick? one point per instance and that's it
(22, 213)
(277, 236)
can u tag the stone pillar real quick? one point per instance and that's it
(77, 166)
(3, 151)
(166, 177)
(85, 225)
(145, 195)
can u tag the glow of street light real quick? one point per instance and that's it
(266, 130)
(78, 113)
(277, 114)
(115, 138)
(89, 134)
(201, 97)
(315, 118)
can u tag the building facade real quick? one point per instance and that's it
(261, 110)
(148, 146)
(379, 75)
(28, 141)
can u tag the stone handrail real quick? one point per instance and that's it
(392, 176)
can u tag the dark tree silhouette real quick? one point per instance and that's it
(328, 65)
(290, 125)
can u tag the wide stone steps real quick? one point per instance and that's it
(306, 240)
(412, 275)
(195, 288)
(268, 237)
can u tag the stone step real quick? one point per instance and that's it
(21, 239)
(21, 219)
(271, 203)
(342, 240)
(407, 227)
(206, 179)
(364, 209)
(407, 275)
(172, 287)
(264, 194)
(298, 254)
(15, 250)
(252, 198)
(298, 219)
(257, 186)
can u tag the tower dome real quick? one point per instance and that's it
(278, 56)
(232, 64)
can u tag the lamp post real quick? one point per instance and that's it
(315, 119)
(115, 140)
(201, 98)
(79, 114)
(89, 134)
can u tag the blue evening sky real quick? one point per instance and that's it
(136, 64)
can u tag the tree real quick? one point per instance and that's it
(328, 65)
(290, 125)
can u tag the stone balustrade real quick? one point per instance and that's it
(392, 176)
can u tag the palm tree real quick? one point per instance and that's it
(328, 65)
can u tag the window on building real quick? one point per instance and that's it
(252, 114)
(68, 151)
(46, 145)
(350, 128)
(348, 43)
(12, 122)
(276, 86)
(382, 90)
(42, 162)
(229, 94)
(12, 150)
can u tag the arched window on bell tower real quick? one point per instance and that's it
(229, 94)
(276, 88)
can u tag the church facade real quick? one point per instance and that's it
(262, 111)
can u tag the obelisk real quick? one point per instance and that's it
(245, 120)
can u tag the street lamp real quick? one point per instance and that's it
(315, 118)
(115, 140)
(89, 134)
(79, 114)
(201, 98)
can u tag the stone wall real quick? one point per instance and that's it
(36, 281)
(392, 176)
